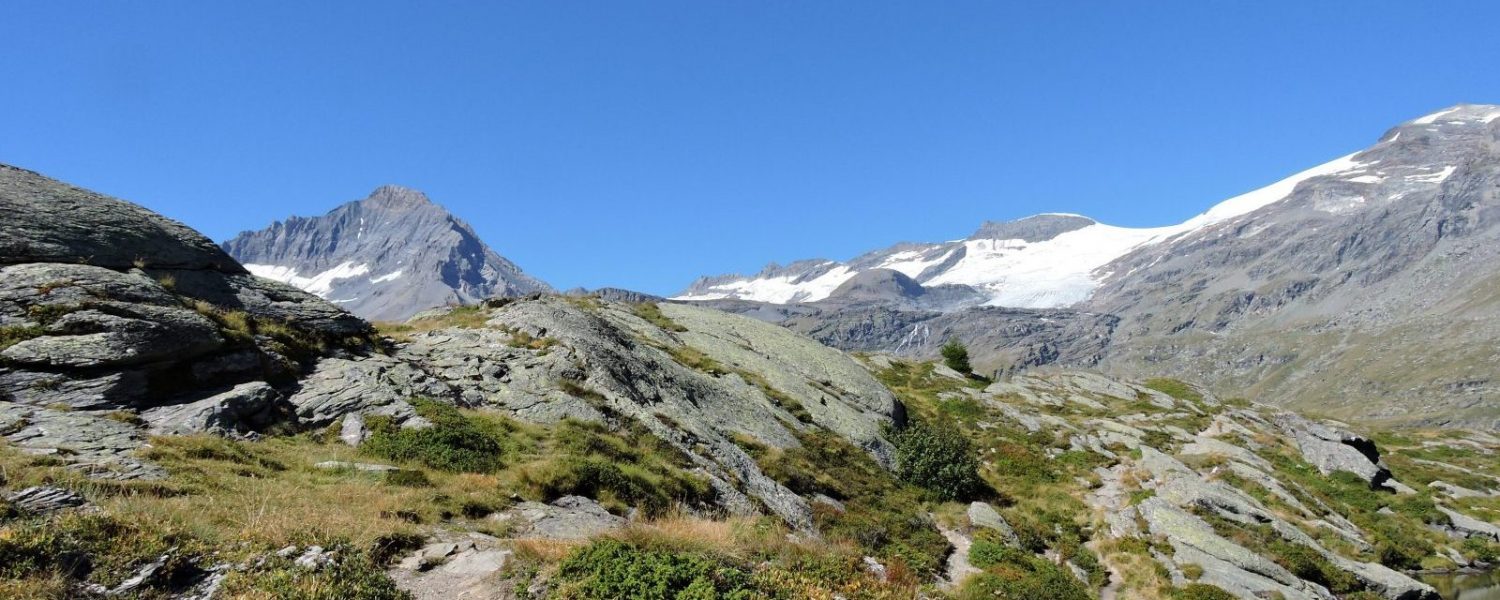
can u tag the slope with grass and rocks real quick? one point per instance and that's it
(175, 428)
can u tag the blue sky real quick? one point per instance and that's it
(641, 144)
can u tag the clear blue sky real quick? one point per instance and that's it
(641, 144)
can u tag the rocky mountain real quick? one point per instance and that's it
(384, 258)
(1361, 288)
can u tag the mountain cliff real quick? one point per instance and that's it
(385, 257)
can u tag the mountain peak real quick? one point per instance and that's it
(385, 257)
(1460, 113)
(395, 197)
(1035, 228)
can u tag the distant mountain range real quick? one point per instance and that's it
(385, 257)
(1367, 287)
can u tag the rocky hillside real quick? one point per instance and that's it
(176, 428)
(1368, 293)
(1362, 288)
(384, 258)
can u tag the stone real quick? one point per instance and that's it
(246, 407)
(314, 558)
(370, 385)
(339, 465)
(454, 566)
(98, 446)
(43, 500)
(984, 516)
(567, 518)
(1333, 449)
(352, 430)
(1467, 526)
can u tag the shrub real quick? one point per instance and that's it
(453, 443)
(1306, 563)
(989, 550)
(956, 356)
(408, 478)
(1481, 549)
(609, 569)
(939, 459)
(1024, 577)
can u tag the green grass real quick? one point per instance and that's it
(653, 315)
(15, 334)
(1175, 388)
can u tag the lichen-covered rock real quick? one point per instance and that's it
(99, 446)
(48, 221)
(984, 516)
(567, 518)
(246, 407)
(1332, 449)
(372, 385)
(40, 500)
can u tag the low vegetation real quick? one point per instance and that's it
(653, 315)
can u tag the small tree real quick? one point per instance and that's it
(956, 356)
(938, 458)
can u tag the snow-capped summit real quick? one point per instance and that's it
(1042, 261)
(385, 257)
(1057, 260)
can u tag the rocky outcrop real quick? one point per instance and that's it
(693, 377)
(1332, 449)
(116, 322)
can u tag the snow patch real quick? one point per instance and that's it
(320, 284)
(387, 277)
(1437, 177)
(779, 290)
(1432, 118)
(909, 263)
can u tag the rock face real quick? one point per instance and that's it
(115, 321)
(385, 258)
(1363, 288)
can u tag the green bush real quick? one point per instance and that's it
(882, 517)
(989, 550)
(1200, 591)
(1481, 549)
(956, 356)
(1024, 577)
(408, 478)
(609, 569)
(453, 443)
(1306, 563)
(939, 459)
